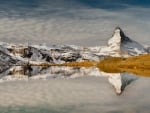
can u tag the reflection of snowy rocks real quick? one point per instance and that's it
(117, 80)
(119, 45)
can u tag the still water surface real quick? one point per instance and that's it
(80, 22)
(72, 89)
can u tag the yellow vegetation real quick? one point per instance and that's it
(85, 63)
(139, 65)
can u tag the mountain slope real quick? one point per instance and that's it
(118, 45)
(122, 43)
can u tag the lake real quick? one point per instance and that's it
(72, 89)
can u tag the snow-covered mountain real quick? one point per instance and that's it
(16, 60)
(121, 45)
(118, 45)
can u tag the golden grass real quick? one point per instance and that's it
(139, 65)
(85, 63)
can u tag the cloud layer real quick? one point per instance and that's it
(75, 22)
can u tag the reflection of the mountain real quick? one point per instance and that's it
(113, 68)
(117, 80)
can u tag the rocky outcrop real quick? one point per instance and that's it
(127, 45)
(118, 45)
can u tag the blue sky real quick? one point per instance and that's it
(23, 6)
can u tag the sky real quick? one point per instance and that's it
(75, 22)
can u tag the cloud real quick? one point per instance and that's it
(73, 22)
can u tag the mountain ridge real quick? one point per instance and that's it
(118, 45)
(18, 60)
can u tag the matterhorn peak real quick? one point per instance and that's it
(120, 42)
(115, 41)
(118, 36)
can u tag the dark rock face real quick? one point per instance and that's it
(36, 54)
(7, 59)
(148, 49)
(130, 46)
(124, 38)
(51, 55)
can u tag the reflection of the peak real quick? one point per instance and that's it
(114, 68)
(117, 80)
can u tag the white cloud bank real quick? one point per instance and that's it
(84, 26)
